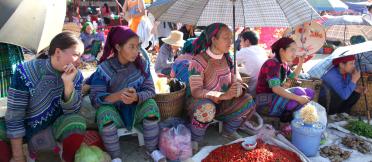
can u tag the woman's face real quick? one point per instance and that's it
(129, 51)
(223, 40)
(70, 55)
(89, 29)
(289, 54)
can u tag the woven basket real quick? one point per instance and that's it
(171, 104)
(314, 84)
(246, 78)
(359, 108)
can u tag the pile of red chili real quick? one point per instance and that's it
(262, 153)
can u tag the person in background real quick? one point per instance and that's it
(188, 31)
(341, 81)
(216, 92)
(252, 57)
(163, 30)
(168, 52)
(272, 97)
(122, 89)
(106, 14)
(44, 98)
(92, 40)
(135, 9)
(368, 16)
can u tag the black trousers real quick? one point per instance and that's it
(160, 41)
(338, 105)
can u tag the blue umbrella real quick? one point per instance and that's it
(328, 5)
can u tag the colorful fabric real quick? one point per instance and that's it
(151, 132)
(279, 104)
(207, 74)
(10, 56)
(188, 47)
(89, 39)
(108, 113)
(110, 138)
(70, 145)
(68, 124)
(111, 76)
(35, 101)
(271, 75)
(232, 112)
(134, 22)
(204, 41)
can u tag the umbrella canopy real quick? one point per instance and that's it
(252, 13)
(358, 6)
(345, 32)
(31, 24)
(344, 20)
(324, 65)
(328, 5)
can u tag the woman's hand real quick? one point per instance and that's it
(303, 100)
(129, 96)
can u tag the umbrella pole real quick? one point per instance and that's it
(235, 66)
(365, 96)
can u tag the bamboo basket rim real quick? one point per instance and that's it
(172, 93)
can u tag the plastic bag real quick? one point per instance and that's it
(91, 154)
(321, 111)
(175, 142)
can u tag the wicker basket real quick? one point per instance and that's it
(246, 78)
(314, 84)
(359, 108)
(171, 104)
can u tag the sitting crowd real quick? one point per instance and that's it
(46, 94)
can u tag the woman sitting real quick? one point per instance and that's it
(217, 93)
(273, 74)
(44, 97)
(91, 39)
(168, 52)
(121, 89)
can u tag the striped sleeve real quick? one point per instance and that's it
(74, 103)
(98, 89)
(147, 89)
(18, 102)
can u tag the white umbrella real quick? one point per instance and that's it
(31, 24)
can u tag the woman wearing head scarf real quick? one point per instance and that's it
(273, 74)
(121, 89)
(90, 38)
(216, 94)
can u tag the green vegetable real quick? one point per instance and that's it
(91, 154)
(360, 128)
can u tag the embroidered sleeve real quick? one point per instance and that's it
(196, 80)
(147, 88)
(272, 70)
(18, 102)
(73, 104)
(98, 90)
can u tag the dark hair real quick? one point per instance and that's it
(252, 37)
(282, 43)
(63, 41)
(107, 7)
(369, 7)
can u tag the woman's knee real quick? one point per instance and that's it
(205, 112)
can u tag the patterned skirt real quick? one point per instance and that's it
(109, 113)
(242, 107)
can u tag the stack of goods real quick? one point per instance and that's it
(359, 127)
(307, 131)
(334, 153)
(262, 153)
(356, 144)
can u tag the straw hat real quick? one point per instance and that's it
(174, 39)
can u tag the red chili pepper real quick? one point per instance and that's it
(262, 153)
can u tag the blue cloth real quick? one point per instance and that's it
(334, 80)
(89, 38)
(35, 98)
